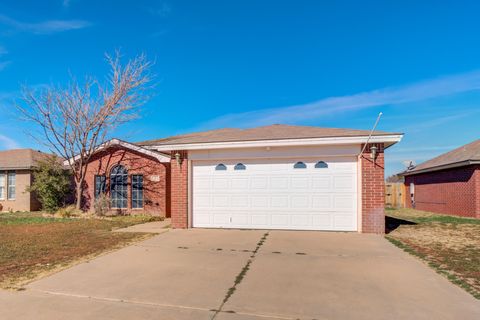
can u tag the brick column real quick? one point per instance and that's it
(373, 191)
(179, 191)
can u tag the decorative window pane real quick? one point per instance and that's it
(221, 166)
(321, 164)
(2, 186)
(11, 177)
(299, 165)
(100, 185)
(137, 191)
(118, 187)
(240, 166)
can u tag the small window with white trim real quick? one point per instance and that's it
(11, 185)
(220, 167)
(2, 186)
(300, 165)
(321, 165)
(239, 166)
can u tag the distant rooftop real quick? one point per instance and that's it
(272, 132)
(465, 155)
(20, 158)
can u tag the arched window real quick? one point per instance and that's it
(321, 165)
(118, 187)
(239, 166)
(299, 165)
(220, 167)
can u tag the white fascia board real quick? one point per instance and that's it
(442, 167)
(117, 142)
(388, 139)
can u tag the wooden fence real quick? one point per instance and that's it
(395, 195)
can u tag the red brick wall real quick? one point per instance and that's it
(155, 192)
(179, 191)
(454, 191)
(373, 191)
(477, 192)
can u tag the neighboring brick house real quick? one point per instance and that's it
(272, 177)
(449, 183)
(15, 176)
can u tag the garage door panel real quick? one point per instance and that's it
(221, 201)
(280, 219)
(279, 183)
(259, 183)
(300, 220)
(297, 202)
(239, 183)
(280, 201)
(259, 202)
(322, 220)
(297, 183)
(322, 201)
(272, 194)
(202, 201)
(240, 201)
(322, 183)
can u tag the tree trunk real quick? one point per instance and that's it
(78, 197)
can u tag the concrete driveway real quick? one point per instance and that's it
(234, 274)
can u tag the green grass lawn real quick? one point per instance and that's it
(32, 245)
(449, 244)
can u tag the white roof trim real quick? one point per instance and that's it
(388, 139)
(117, 142)
(441, 167)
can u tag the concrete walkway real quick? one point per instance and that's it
(149, 227)
(238, 275)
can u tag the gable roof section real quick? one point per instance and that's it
(117, 142)
(462, 156)
(272, 132)
(17, 159)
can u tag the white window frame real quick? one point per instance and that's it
(3, 183)
(11, 195)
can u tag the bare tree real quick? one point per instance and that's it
(74, 121)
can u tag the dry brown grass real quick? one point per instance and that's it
(449, 244)
(32, 245)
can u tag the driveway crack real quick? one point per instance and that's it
(241, 275)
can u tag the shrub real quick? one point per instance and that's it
(101, 205)
(51, 183)
(68, 212)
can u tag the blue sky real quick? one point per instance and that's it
(247, 63)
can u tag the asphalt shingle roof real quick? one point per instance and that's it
(461, 156)
(272, 132)
(20, 158)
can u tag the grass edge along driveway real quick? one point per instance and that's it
(32, 246)
(448, 244)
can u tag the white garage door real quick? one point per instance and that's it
(305, 194)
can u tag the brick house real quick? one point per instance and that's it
(449, 183)
(271, 177)
(16, 176)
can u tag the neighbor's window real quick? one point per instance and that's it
(100, 185)
(220, 167)
(137, 191)
(2, 186)
(321, 165)
(299, 165)
(118, 187)
(239, 166)
(11, 177)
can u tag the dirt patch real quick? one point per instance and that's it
(452, 248)
(31, 247)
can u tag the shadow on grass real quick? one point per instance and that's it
(392, 223)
